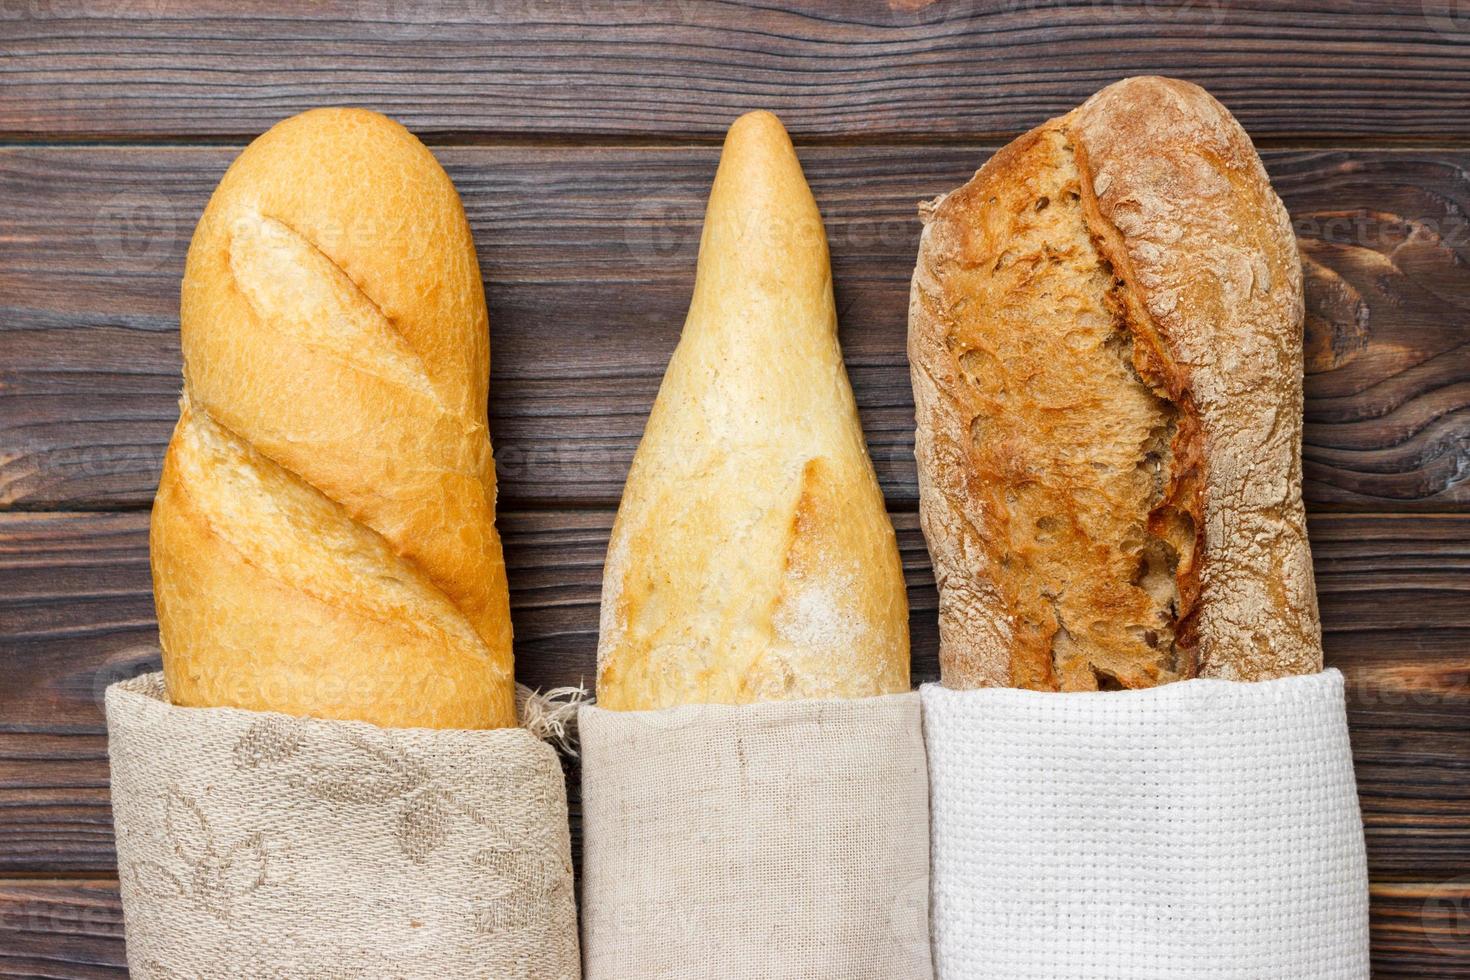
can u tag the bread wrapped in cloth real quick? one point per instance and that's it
(753, 780)
(333, 782)
(1105, 336)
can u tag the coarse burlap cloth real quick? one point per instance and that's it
(255, 844)
(1205, 829)
(780, 840)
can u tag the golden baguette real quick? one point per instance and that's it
(323, 538)
(752, 557)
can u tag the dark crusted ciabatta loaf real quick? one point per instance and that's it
(1105, 338)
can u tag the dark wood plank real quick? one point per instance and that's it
(55, 812)
(589, 256)
(1421, 930)
(901, 68)
(77, 614)
(73, 929)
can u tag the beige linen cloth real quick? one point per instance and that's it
(255, 844)
(781, 840)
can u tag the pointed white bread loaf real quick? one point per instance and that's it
(752, 558)
(323, 538)
(1105, 331)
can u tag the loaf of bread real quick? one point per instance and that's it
(323, 538)
(1106, 345)
(752, 558)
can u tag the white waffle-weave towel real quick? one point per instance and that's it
(1205, 830)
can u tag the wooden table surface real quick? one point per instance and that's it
(583, 139)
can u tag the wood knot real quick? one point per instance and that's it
(1336, 329)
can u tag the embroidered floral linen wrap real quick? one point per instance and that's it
(255, 844)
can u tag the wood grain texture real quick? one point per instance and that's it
(61, 929)
(588, 254)
(581, 136)
(74, 591)
(73, 929)
(900, 68)
(1421, 931)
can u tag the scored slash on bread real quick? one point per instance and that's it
(1105, 343)
(752, 557)
(323, 538)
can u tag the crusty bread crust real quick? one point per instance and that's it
(1105, 338)
(323, 538)
(752, 558)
